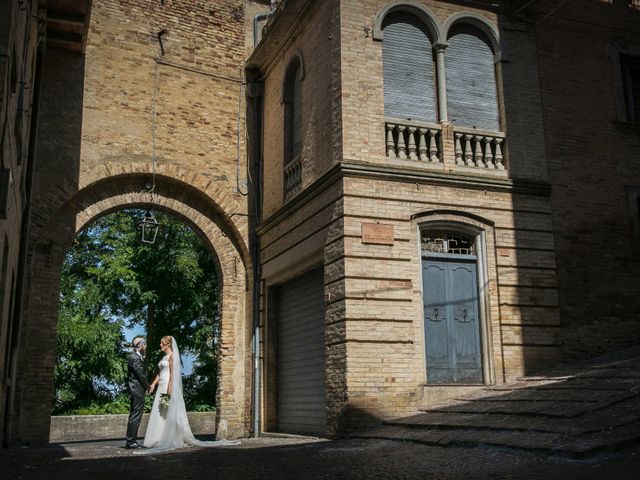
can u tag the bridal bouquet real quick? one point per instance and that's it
(165, 398)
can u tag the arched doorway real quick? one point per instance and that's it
(118, 283)
(36, 353)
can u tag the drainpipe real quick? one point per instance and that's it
(256, 19)
(255, 90)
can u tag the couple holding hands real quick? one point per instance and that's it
(168, 426)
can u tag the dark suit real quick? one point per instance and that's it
(138, 385)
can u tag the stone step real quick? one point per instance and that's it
(623, 414)
(550, 442)
(544, 408)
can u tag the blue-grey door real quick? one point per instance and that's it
(452, 324)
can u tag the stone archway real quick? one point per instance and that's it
(214, 223)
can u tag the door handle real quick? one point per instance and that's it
(464, 317)
(435, 315)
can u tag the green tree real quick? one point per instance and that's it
(111, 280)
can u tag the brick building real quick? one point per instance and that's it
(21, 59)
(434, 195)
(449, 198)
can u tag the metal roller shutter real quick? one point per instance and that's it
(301, 355)
(471, 80)
(408, 69)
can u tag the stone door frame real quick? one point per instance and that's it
(482, 231)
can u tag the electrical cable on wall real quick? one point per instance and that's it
(154, 117)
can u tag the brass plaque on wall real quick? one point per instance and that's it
(377, 233)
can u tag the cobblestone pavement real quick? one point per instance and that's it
(269, 458)
(580, 421)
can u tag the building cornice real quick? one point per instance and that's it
(284, 23)
(391, 173)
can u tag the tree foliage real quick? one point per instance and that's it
(111, 280)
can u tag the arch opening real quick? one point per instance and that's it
(113, 287)
(220, 231)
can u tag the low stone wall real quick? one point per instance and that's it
(74, 428)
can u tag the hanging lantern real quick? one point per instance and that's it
(149, 226)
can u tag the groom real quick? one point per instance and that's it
(138, 385)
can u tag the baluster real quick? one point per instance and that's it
(433, 147)
(468, 157)
(498, 155)
(422, 149)
(402, 142)
(488, 154)
(391, 147)
(411, 148)
(458, 149)
(477, 151)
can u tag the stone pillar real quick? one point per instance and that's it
(441, 82)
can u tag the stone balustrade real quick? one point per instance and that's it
(468, 147)
(413, 141)
(292, 177)
(480, 149)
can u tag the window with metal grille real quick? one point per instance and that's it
(631, 80)
(441, 241)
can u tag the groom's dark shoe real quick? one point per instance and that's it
(132, 445)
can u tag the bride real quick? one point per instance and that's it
(168, 426)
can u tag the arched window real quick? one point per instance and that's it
(292, 98)
(408, 68)
(471, 79)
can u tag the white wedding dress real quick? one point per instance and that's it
(168, 427)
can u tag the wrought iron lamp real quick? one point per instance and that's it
(149, 227)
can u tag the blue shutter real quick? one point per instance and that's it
(471, 80)
(408, 69)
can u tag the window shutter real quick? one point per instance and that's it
(296, 115)
(408, 69)
(471, 80)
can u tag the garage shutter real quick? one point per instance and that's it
(471, 79)
(301, 355)
(408, 69)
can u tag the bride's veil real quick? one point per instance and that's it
(177, 431)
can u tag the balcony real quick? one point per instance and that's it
(457, 148)
(292, 177)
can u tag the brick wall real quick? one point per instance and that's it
(592, 155)
(95, 155)
(316, 39)
(19, 40)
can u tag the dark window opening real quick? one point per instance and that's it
(631, 81)
(14, 74)
(4, 191)
(292, 97)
